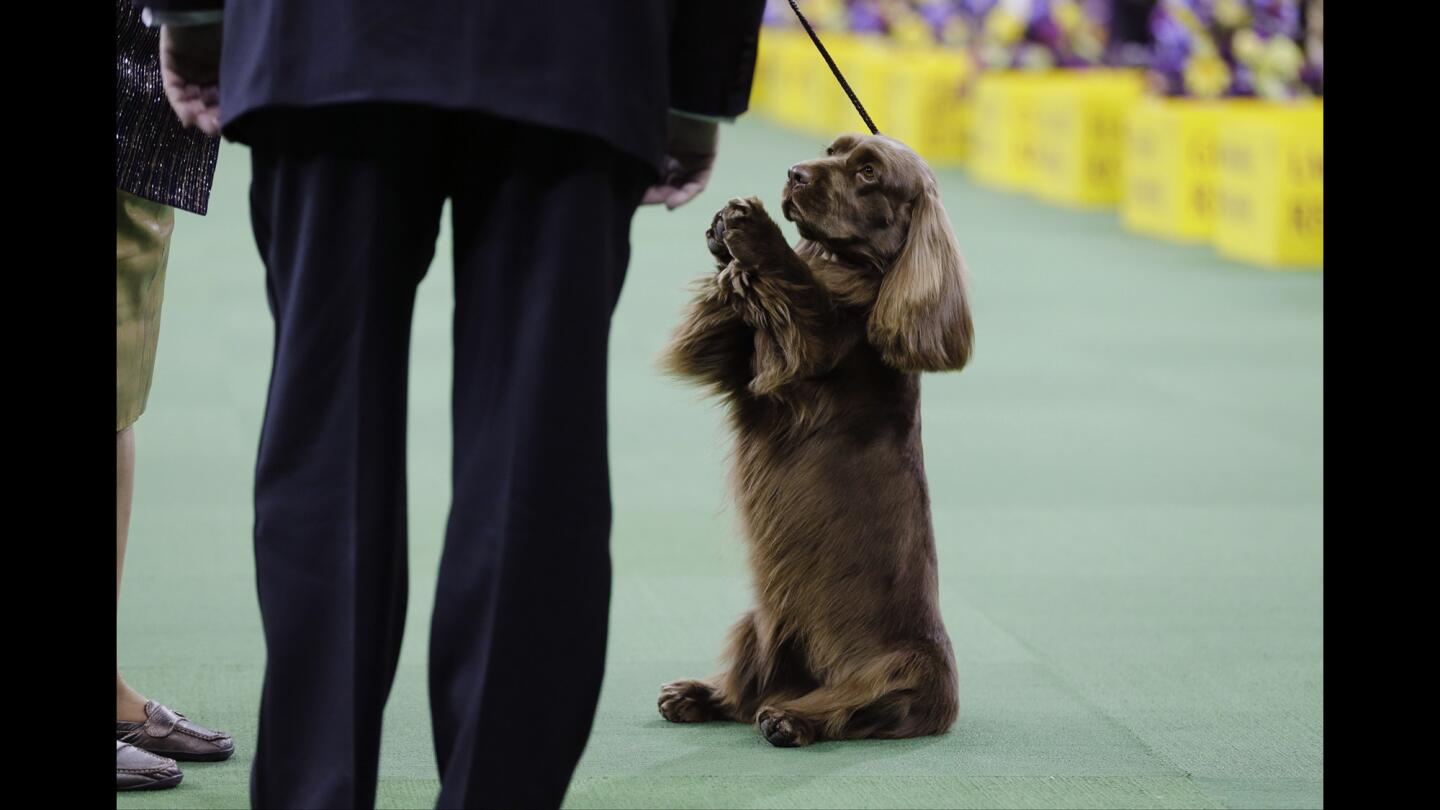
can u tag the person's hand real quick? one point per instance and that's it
(689, 157)
(190, 70)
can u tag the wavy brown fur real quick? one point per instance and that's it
(816, 350)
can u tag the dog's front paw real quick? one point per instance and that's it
(687, 702)
(733, 281)
(782, 729)
(749, 233)
(715, 239)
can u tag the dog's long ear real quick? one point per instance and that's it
(921, 318)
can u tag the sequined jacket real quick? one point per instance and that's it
(155, 157)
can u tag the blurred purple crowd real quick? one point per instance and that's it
(1202, 48)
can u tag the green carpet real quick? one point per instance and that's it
(1127, 487)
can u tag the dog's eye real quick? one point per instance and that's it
(867, 172)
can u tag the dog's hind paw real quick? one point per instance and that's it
(687, 702)
(784, 730)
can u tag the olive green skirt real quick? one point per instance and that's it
(142, 246)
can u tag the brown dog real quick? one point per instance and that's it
(817, 350)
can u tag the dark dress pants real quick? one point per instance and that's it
(346, 205)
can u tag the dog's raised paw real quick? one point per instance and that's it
(749, 233)
(739, 209)
(733, 280)
(743, 214)
(687, 702)
(784, 730)
(715, 239)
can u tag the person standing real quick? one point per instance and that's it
(159, 166)
(545, 124)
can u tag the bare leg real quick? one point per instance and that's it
(129, 704)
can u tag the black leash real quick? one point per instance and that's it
(860, 108)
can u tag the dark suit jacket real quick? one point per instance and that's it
(606, 68)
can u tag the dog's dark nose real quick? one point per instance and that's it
(799, 175)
